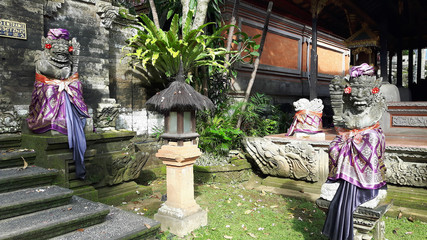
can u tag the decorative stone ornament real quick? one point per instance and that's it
(307, 122)
(180, 214)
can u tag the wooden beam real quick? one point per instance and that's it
(363, 15)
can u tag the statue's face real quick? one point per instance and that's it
(59, 50)
(361, 97)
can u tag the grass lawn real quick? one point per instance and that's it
(235, 212)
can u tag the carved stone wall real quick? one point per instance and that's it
(308, 160)
(296, 160)
(406, 166)
(101, 33)
(10, 122)
(405, 117)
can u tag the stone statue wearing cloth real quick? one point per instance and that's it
(356, 155)
(57, 101)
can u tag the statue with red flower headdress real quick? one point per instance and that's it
(57, 101)
(356, 155)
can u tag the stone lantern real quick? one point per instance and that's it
(180, 214)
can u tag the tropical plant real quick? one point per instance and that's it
(217, 129)
(218, 134)
(165, 50)
(220, 137)
(261, 117)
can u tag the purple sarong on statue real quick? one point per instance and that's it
(47, 109)
(357, 156)
(59, 105)
(339, 221)
(356, 161)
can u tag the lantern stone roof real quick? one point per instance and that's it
(178, 96)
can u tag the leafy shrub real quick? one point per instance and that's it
(218, 132)
(261, 117)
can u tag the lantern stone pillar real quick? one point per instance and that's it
(180, 214)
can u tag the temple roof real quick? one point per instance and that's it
(363, 38)
(403, 21)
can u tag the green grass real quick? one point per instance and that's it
(404, 229)
(238, 213)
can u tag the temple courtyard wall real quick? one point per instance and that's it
(285, 62)
(115, 93)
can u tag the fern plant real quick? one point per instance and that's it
(165, 50)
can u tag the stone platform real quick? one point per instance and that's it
(406, 161)
(108, 160)
(364, 220)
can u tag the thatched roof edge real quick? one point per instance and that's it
(180, 96)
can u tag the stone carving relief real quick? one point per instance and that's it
(405, 173)
(106, 114)
(107, 13)
(125, 168)
(10, 122)
(88, 1)
(297, 160)
(52, 6)
(315, 105)
(411, 121)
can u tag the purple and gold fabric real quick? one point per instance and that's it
(306, 121)
(357, 156)
(58, 33)
(59, 105)
(47, 109)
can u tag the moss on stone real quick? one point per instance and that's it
(239, 170)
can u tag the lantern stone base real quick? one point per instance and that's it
(180, 214)
(179, 221)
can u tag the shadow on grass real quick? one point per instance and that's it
(305, 217)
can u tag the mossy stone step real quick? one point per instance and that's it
(30, 200)
(114, 195)
(118, 224)
(10, 140)
(80, 213)
(15, 158)
(409, 200)
(17, 178)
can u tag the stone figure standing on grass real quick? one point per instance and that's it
(356, 155)
(57, 102)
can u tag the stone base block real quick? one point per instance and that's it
(180, 225)
(314, 136)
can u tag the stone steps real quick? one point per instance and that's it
(30, 200)
(31, 208)
(17, 178)
(8, 141)
(118, 224)
(16, 158)
(79, 213)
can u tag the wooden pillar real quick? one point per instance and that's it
(383, 51)
(411, 68)
(316, 8)
(399, 68)
(313, 60)
(390, 64)
(419, 56)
